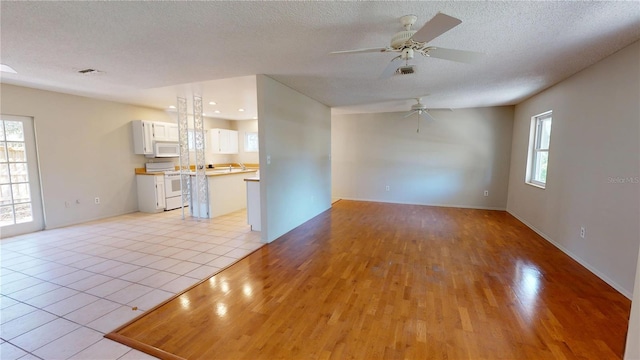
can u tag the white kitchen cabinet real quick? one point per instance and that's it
(224, 141)
(142, 137)
(151, 196)
(146, 132)
(165, 132)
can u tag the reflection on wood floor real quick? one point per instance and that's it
(371, 281)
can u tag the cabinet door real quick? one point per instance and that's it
(147, 130)
(160, 194)
(214, 136)
(224, 141)
(232, 147)
(172, 132)
(160, 131)
(142, 137)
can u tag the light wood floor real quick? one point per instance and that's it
(370, 281)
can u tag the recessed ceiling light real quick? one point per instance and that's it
(172, 107)
(7, 68)
(241, 110)
(217, 111)
(255, 118)
(212, 102)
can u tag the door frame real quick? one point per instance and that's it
(35, 180)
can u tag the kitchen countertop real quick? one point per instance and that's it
(218, 171)
(223, 172)
(143, 171)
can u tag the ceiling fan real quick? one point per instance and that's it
(420, 109)
(408, 42)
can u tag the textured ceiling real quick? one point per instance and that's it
(149, 52)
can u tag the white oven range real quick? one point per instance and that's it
(172, 190)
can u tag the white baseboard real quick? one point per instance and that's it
(581, 261)
(73, 223)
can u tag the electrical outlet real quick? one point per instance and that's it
(486, 193)
(96, 200)
(268, 159)
(387, 188)
(582, 231)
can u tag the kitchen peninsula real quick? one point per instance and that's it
(227, 191)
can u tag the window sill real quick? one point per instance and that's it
(535, 185)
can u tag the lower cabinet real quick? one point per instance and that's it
(151, 196)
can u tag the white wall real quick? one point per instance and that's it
(295, 134)
(594, 141)
(450, 162)
(632, 349)
(85, 149)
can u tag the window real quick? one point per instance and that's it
(251, 142)
(539, 149)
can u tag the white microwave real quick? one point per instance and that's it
(166, 149)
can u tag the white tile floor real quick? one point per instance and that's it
(61, 290)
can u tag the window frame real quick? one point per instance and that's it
(535, 148)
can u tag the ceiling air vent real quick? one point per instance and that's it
(405, 70)
(88, 71)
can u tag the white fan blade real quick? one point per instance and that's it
(426, 114)
(357, 51)
(409, 114)
(440, 24)
(462, 56)
(393, 66)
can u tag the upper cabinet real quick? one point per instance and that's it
(165, 131)
(146, 132)
(224, 141)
